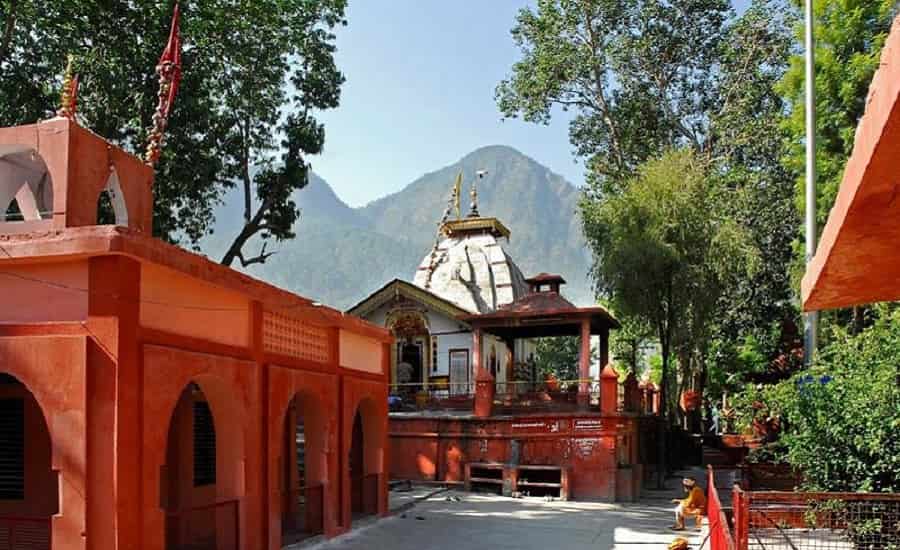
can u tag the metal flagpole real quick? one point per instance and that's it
(812, 318)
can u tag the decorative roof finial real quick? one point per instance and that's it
(457, 191)
(68, 101)
(473, 209)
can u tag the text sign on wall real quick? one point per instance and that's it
(536, 426)
(589, 424)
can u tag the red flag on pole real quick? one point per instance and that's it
(169, 71)
(171, 58)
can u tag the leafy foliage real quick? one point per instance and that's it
(559, 357)
(666, 250)
(842, 415)
(235, 118)
(850, 35)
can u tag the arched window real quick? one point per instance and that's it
(26, 188)
(111, 207)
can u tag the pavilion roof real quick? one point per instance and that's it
(539, 314)
(858, 260)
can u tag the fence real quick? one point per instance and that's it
(24, 533)
(720, 537)
(775, 520)
(527, 394)
(212, 527)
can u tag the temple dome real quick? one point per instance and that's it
(470, 267)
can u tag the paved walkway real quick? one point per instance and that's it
(455, 520)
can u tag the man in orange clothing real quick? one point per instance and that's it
(692, 505)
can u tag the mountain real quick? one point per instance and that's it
(341, 254)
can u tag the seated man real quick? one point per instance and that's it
(692, 505)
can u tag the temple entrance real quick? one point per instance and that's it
(357, 467)
(411, 367)
(29, 494)
(201, 509)
(302, 493)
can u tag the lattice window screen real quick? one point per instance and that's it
(294, 338)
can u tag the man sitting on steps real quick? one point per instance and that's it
(693, 505)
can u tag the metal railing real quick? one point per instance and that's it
(25, 533)
(211, 527)
(405, 396)
(778, 520)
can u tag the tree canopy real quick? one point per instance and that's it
(255, 75)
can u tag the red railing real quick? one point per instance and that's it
(211, 527)
(783, 520)
(720, 537)
(24, 533)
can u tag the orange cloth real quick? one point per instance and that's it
(695, 502)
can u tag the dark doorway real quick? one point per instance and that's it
(410, 367)
(301, 495)
(29, 494)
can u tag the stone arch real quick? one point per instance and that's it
(201, 508)
(24, 180)
(303, 480)
(29, 494)
(111, 206)
(365, 461)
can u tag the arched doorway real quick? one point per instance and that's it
(363, 461)
(29, 494)
(202, 511)
(302, 471)
(413, 352)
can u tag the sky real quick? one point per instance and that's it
(419, 95)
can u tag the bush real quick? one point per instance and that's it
(843, 413)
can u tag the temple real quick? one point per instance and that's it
(467, 403)
(153, 399)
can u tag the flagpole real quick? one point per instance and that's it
(812, 317)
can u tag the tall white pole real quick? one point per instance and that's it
(812, 317)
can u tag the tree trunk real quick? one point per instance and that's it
(8, 27)
(663, 421)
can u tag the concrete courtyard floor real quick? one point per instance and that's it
(478, 521)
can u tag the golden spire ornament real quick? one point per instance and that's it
(68, 100)
(457, 191)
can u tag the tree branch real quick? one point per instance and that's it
(258, 259)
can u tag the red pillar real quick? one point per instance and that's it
(609, 390)
(484, 382)
(584, 364)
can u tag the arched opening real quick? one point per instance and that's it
(201, 507)
(364, 462)
(302, 471)
(29, 493)
(26, 188)
(111, 208)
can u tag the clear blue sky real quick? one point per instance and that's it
(420, 94)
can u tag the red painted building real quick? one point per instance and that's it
(153, 399)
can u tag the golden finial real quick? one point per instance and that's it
(473, 208)
(457, 191)
(68, 99)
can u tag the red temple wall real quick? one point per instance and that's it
(437, 449)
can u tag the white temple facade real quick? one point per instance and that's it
(467, 272)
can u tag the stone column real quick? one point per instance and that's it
(584, 365)
(609, 390)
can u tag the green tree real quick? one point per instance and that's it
(254, 75)
(842, 415)
(849, 35)
(559, 357)
(665, 251)
(643, 77)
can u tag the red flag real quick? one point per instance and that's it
(170, 62)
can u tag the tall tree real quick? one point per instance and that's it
(255, 74)
(666, 250)
(644, 76)
(850, 35)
